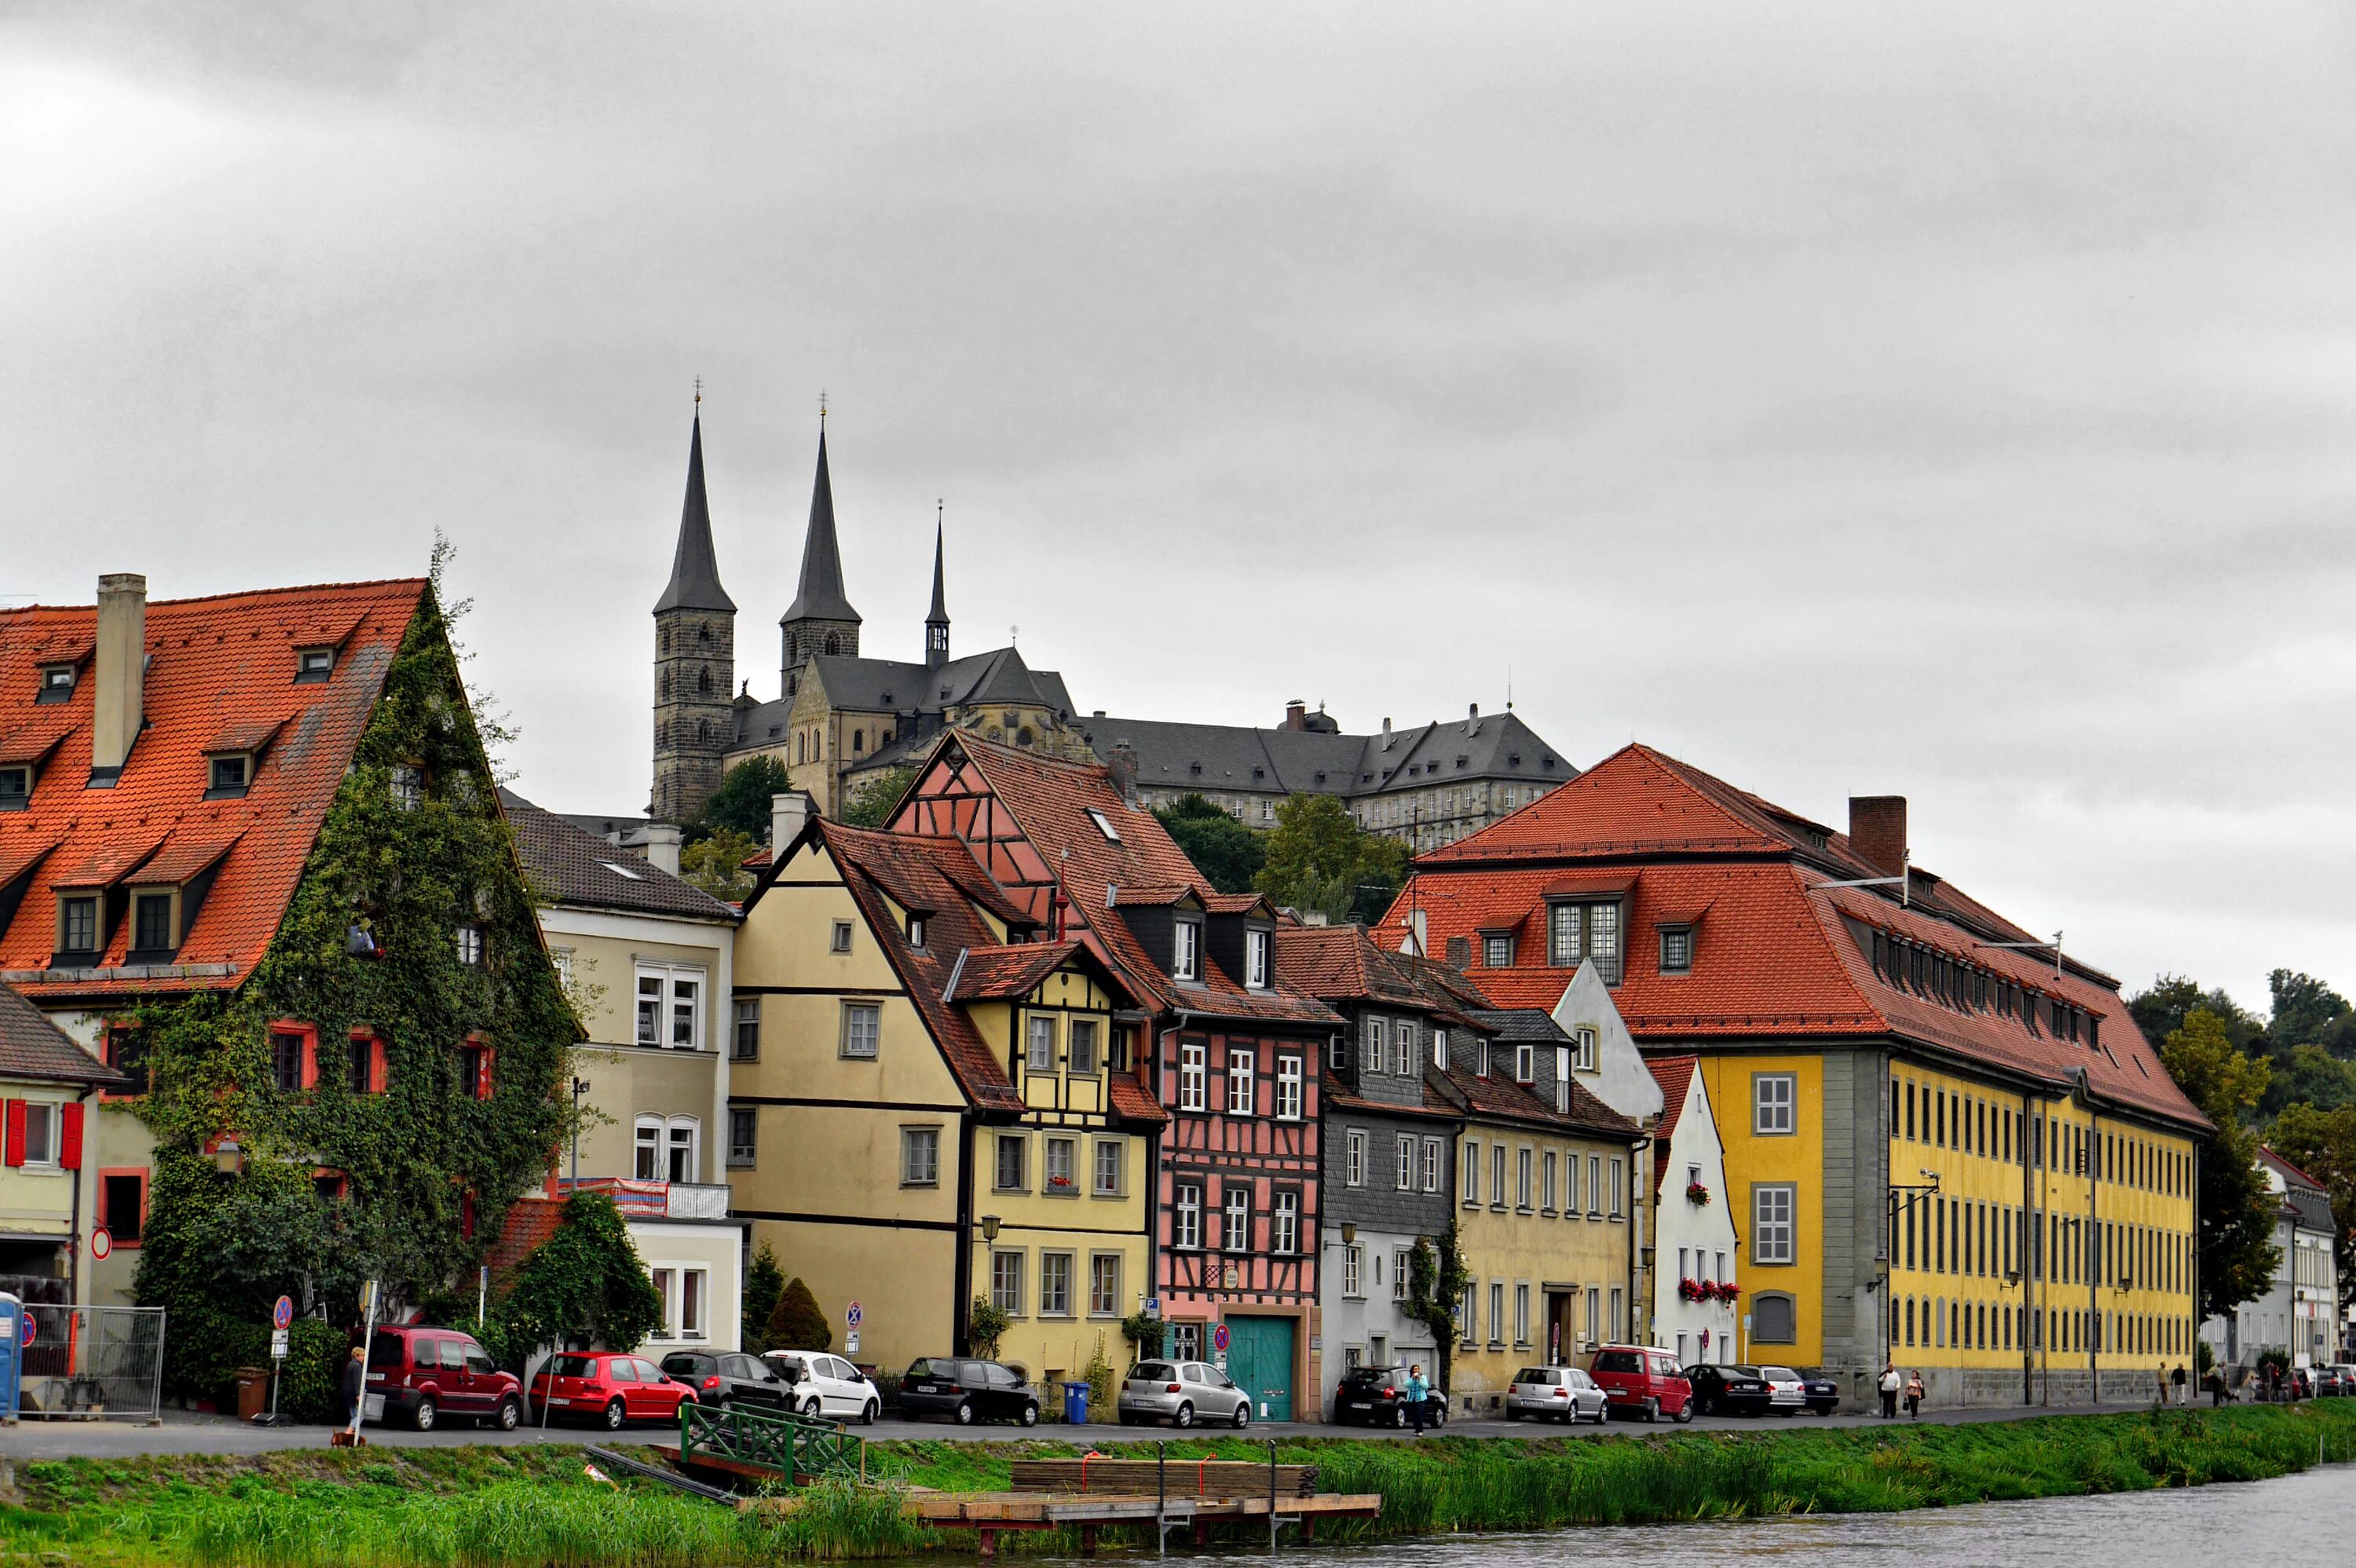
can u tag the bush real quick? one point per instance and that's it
(584, 1283)
(986, 1327)
(310, 1385)
(764, 1283)
(797, 1324)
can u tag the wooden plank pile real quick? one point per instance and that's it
(1144, 1477)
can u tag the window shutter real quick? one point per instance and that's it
(310, 1059)
(15, 1132)
(70, 1135)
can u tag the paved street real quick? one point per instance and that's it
(185, 1434)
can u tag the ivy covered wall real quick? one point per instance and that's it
(411, 850)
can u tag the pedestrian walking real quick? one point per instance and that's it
(2183, 1389)
(1915, 1396)
(355, 1382)
(2159, 1376)
(2216, 1387)
(1889, 1386)
(1417, 1391)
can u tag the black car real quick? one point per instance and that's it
(1726, 1390)
(1823, 1393)
(967, 1391)
(720, 1379)
(1378, 1396)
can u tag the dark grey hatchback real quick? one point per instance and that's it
(967, 1391)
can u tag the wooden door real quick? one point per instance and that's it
(1259, 1358)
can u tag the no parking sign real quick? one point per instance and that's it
(1219, 1339)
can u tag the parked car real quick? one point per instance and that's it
(1378, 1396)
(967, 1391)
(420, 1374)
(2341, 1381)
(822, 1385)
(1823, 1393)
(1727, 1390)
(1787, 1392)
(606, 1387)
(1182, 1393)
(1556, 1393)
(721, 1380)
(1641, 1381)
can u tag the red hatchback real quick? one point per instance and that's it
(421, 1374)
(606, 1387)
(1641, 1381)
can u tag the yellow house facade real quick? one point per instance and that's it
(929, 1114)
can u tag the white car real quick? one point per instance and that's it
(1555, 1393)
(1788, 1394)
(826, 1385)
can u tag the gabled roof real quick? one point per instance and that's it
(821, 595)
(213, 664)
(695, 564)
(31, 1047)
(1338, 964)
(568, 865)
(1675, 1076)
(1499, 1097)
(1228, 757)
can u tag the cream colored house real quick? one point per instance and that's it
(47, 1189)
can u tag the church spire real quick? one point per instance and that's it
(695, 565)
(822, 597)
(937, 624)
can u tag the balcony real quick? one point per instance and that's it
(656, 1199)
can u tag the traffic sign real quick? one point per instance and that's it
(28, 1328)
(101, 1245)
(282, 1317)
(1153, 1307)
(851, 1345)
(278, 1344)
(1220, 1337)
(852, 1316)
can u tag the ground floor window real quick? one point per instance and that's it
(1006, 1282)
(1186, 1341)
(685, 1293)
(1103, 1285)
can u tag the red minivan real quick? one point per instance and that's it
(606, 1387)
(421, 1374)
(1639, 1380)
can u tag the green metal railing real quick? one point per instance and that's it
(796, 1446)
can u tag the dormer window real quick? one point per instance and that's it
(229, 776)
(16, 786)
(1440, 1049)
(78, 923)
(1497, 951)
(151, 923)
(1483, 1070)
(1256, 949)
(57, 683)
(1187, 950)
(915, 931)
(313, 666)
(1525, 1063)
(1677, 950)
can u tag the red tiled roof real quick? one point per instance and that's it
(1341, 963)
(1131, 1103)
(1002, 973)
(532, 1221)
(214, 665)
(182, 858)
(1675, 1076)
(1776, 958)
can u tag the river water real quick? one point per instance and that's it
(2306, 1520)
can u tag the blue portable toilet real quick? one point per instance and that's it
(12, 1353)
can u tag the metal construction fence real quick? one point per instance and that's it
(92, 1361)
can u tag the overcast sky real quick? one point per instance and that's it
(1956, 402)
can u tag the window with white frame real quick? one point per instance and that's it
(1432, 1165)
(1525, 1061)
(1289, 1088)
(1570, 1184)
(1583, 1049)
(670, 1006)
(1771, 1239)
(1406, 1163)
(1109, 1162)
(1546, 1189)
(861, 1024)
(1103, 1285)
(1401, 1271)
(1773, 1104)
(1496, 1312)
(1403, 1048)
(1039, 1043)
(1353, 1267)
(41, 1145)
(1191, 1074)
(1055, 1284)
(667, 1149)
(920, 1156)
(1186, 1228)
(1285, 1236)
(1187, 950)
(1374, 1054)
(1496, 1176)
(1256, 946)
(1521, 1314)
(1238, 1236)
(1240, 1096)
(1594, 1185)
(1440, 1049)
(1060, 1157)
(469, 940)
(1471, 1183)
(1006, 1282)
(1354, 1164)
(1618, 1165)
(1012, 1154)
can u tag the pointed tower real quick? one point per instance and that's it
(695, 659)
(937, 624)
(820, 619)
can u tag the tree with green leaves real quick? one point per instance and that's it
(1226, 852)
(1437, 1278)
(871, 802)
(796, 1323)
(716, 864)
(1320, 859)
(741, 801)
(764, 1283)
(2160, 1010)
(2322, 1142)
(2308, 1012)
(585, 1281)
(2236, 1214)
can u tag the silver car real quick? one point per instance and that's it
(1182, 1393)
(1787, 1393)
(1555, 1393)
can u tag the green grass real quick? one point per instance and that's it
(533, 1508)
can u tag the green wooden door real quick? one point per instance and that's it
(1259, 1357)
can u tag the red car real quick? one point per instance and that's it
(421, 1374)
(607, 1387)
(1639, 1380)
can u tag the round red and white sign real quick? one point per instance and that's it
(101, 1245)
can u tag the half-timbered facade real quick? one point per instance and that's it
(1228, 1051)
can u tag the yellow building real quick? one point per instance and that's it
(924, 1109)
(48, 1085)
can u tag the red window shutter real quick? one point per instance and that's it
(467, 1215)
(380, 1080)
(15, 1132)
(70, 1137)
(310, 1057)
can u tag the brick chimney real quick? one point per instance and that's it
(120, 673)
(1877, 831)
(1122, 763)
(1296, 715)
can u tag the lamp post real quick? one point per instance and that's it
(2011, 1281)
(580, 1087)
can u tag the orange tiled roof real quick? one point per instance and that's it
(1774, 955)
(1675, 1076)
(219, 667)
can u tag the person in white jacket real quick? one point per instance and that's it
(1889, 1386)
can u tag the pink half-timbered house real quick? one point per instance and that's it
(1229, 1050)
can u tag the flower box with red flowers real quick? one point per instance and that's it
(1698, 1195)
(1059, 1181)
(1727, 1292)
(1693, 1290)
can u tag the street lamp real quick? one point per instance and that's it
(990, 1227)
(580, 1087)
(1349, 1232)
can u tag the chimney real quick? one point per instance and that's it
(1473, 711)
(1877, 831)
(1387, 732)
(662, 846)
(1296, 715)
(790, 813)
(1122, 763)
(121, 674)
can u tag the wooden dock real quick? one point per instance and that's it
(989, 1513)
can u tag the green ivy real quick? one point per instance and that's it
(585, 1283)
(221, 1246)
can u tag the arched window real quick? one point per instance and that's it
(704, 632)
(801, 745)
(702, 732)
(662, 641)
(1022, 737)
(1774, 1319)
(662, 686)
(858, 742)
(667, 1149)
(829, 642)
(703, 681)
